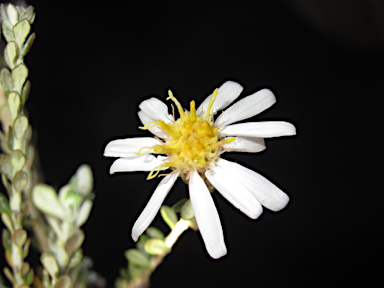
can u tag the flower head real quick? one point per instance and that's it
(192, 145)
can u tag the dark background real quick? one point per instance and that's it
(91, 65)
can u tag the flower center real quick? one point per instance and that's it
(193, 141)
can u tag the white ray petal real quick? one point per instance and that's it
(153, 205)
(206, 216)
(266, 129)
(155, 109)
(135, 163)
(157, 131)
(246, 144)
(247, 107)
(227, 93)
(268, 194)
(234, 191)
(129, 146)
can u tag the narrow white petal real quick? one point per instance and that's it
(265, 129)
(207, 217)
(153, 206)
(269, 195)
(227, 93)
(128, 147)
(234, 191)
(157, 131)
(247, 107)
(155, 109)
(135, 163)
(246, 144)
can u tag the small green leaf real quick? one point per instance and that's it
(4, 16)
(50, 264)
(14, 102)
(29, 278)
(64, 282)
(85, 210)
(82, 181)
(13, 16)
(17, 161)
(8, 34)
(169, 216)
(4, 205)
(156, 247)
(76, 258)
(19, 237)
(7, 242)
(187, 212)
(7, 221)
(26, 248)
(21, 31)
(6, 80)
(178, 205)
(28, 44)
(25, 92)
(19, 74)
(20, 181)
(74, 242)
(10, 54)
(137, 258)
(27, 14)
(6, 166)
(45, 198)
(20, 126)
(154, 233)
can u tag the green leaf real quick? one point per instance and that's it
(82, 181)
(29, 278)
(45, 198)
(137, 258)
(20, 181)
(6, 166)
(155, 233)
(7, 242)
(6, 80)
(26, 248)
(4, 205)
(28, 44)
(178, 205)
(19, 237)
(169, 216)
(64, 282)
(50, 264)
(156, 247)
(76, 258)
(17, 161)
(187, 212)
(14, 102)
(10, 54)
(85, 210)
(20, 126)
(8, 33)
(7, 221)
(74, 242)
(21, 31)
(28, 14)
(69, 199)
(19, 74)
(13, 16)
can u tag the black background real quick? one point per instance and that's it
(91, 65)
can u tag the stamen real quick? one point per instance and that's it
(193, 111)
(208, 112)
(143, 153)
(179, 108)
(225, 141)
(147, 126)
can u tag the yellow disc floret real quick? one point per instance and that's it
(193, 141)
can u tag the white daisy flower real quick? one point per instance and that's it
(193, 145)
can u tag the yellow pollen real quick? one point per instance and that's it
(193, 141)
